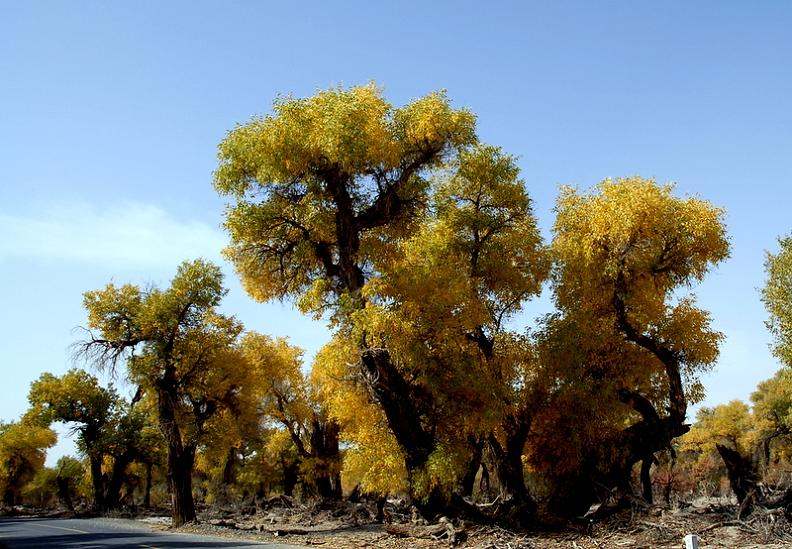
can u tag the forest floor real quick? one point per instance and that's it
(349, 525)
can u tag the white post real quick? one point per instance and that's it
(691, 541)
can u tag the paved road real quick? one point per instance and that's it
(29, 533)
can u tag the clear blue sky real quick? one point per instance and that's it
(110, 114)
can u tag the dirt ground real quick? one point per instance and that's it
(350, 525)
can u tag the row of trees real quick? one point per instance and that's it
(418, 245)
(238, 403)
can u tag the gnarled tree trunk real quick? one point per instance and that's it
(325, 449)
(180, 457)
(474, 464)
(113, 488)
(97, 481)
(402, 408)
(743, 477)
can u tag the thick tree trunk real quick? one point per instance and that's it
(227, 478)
(229, 469)
(469, 479)
(325, 449)
(402, 407)
(180, 457)
(9, 497)
(646, 479)
(508, 460)
(519, 509)
(64, 492)
(289, 477)
(97, 481)
(653, 433)
(180, 464)
(113, 490)
(742, 473)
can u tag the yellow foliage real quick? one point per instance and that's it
(342, 145)
(23, 449)
(727, 424)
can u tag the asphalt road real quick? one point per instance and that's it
(37, 533)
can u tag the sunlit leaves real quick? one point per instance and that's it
(631, 241)
(636, 230)
(75, 397)
(338, 173)
(777, 297)
(727, 424)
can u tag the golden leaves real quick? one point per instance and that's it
(633, 239)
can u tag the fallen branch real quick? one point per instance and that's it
(444, 529)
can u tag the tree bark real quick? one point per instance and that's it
(401, 405)
(64, 492)
(227, 478)
(743, 477)
(325, 449)
(113, 488)
(646, 479)
(9, 497)
(469, 479)
(508, 461)
(180, 483)
(147, 495)
(180, 457)
(289, 477)
(97, 482)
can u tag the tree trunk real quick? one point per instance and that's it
(180, 457)
(508, 461)
(646, 479)
(670, 484)
(325, 450)
(64, 492)
(469, 479)
(97, 481)
(519, 509)
(289, 477)
(9, 497)
(113, 490)
(147, 495)
(402, 407)
(227, 478)
(742, 473)
(180, 464)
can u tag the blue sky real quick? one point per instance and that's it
(110, 114)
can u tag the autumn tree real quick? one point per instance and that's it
(728, 431)
(419, 244)
(320, 190)
(181, 351)
(23, 449)
(440, 306)
(289, 403)
(623, 253)
(78, 399)
(772, 417)
(69, 472)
